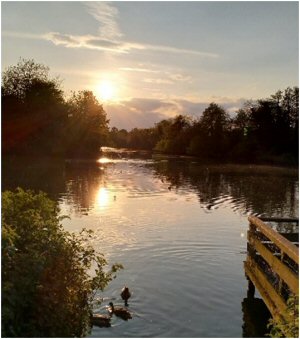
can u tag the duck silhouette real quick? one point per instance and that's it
(101, 320)
(120, 312)
(125, 294)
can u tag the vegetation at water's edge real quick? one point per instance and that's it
(263, 131)
(281, 328)
(38, 119)
(47, 288)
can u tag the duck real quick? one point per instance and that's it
(119, 312)
(125, 294)
(101, 320)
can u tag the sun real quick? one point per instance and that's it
(106, 90)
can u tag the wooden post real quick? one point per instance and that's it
(251, 289)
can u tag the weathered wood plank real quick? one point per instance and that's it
(274, 302)
(286, 246)
(277, 266)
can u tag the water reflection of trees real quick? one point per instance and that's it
(82, 186)
(75, 183)
(261, 190)
(38, 174)
(246, 189)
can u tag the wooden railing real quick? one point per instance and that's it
(272, 265)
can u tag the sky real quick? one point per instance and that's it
(147, 61)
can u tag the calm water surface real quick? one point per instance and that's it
(177, 226)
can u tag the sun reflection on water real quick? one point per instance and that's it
(102, 197)
(104, 160)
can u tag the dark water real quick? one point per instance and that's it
(178, 227)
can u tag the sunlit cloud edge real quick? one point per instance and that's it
(102, 44)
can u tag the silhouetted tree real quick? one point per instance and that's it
(87, 128)
(17, 80)
(175, 137)
(33, 109)
(211, 139)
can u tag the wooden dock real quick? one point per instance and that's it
(272, 265)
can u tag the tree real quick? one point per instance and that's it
(17, 80)
(47, 289)
(214, 120)
(87, 128)
(33, 109)
(211, 137)
(174, 135)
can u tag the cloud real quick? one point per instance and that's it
(107, 16)
(109, 37)
(169, 49)
(116, 46)
(23, 35)
(144, 112)
(159, 75)
(138, 112)
(137, 69)
(158, 81)
(180, 77)
(87, 41)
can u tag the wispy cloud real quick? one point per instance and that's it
(23, 35)
(107, 16)
(158, 81)
(158, 75)
(138, 69)
(109, 37)
(169, 49)
(116, 46)
(88, 42)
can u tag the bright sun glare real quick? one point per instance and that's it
(106, 90)
(102, 197)
(104, 160)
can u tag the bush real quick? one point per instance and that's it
(46, 288)
(281, 328)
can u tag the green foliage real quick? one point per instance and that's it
(174, 137)
(47, 288)
(287, 329)
(38, 120)
(17, 80)
(210, 139)
(33, 108)
(87, 129)
(137, 138)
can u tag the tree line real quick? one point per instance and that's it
(37, 118)
(265, 130)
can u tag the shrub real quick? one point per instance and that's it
(47, 288)
(281, 328)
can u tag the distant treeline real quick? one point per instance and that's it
(265, 130)
(38, 119)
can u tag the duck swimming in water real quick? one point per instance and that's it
(101, 320)
(119, 312)
(125, 294)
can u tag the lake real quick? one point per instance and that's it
(179, 227)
